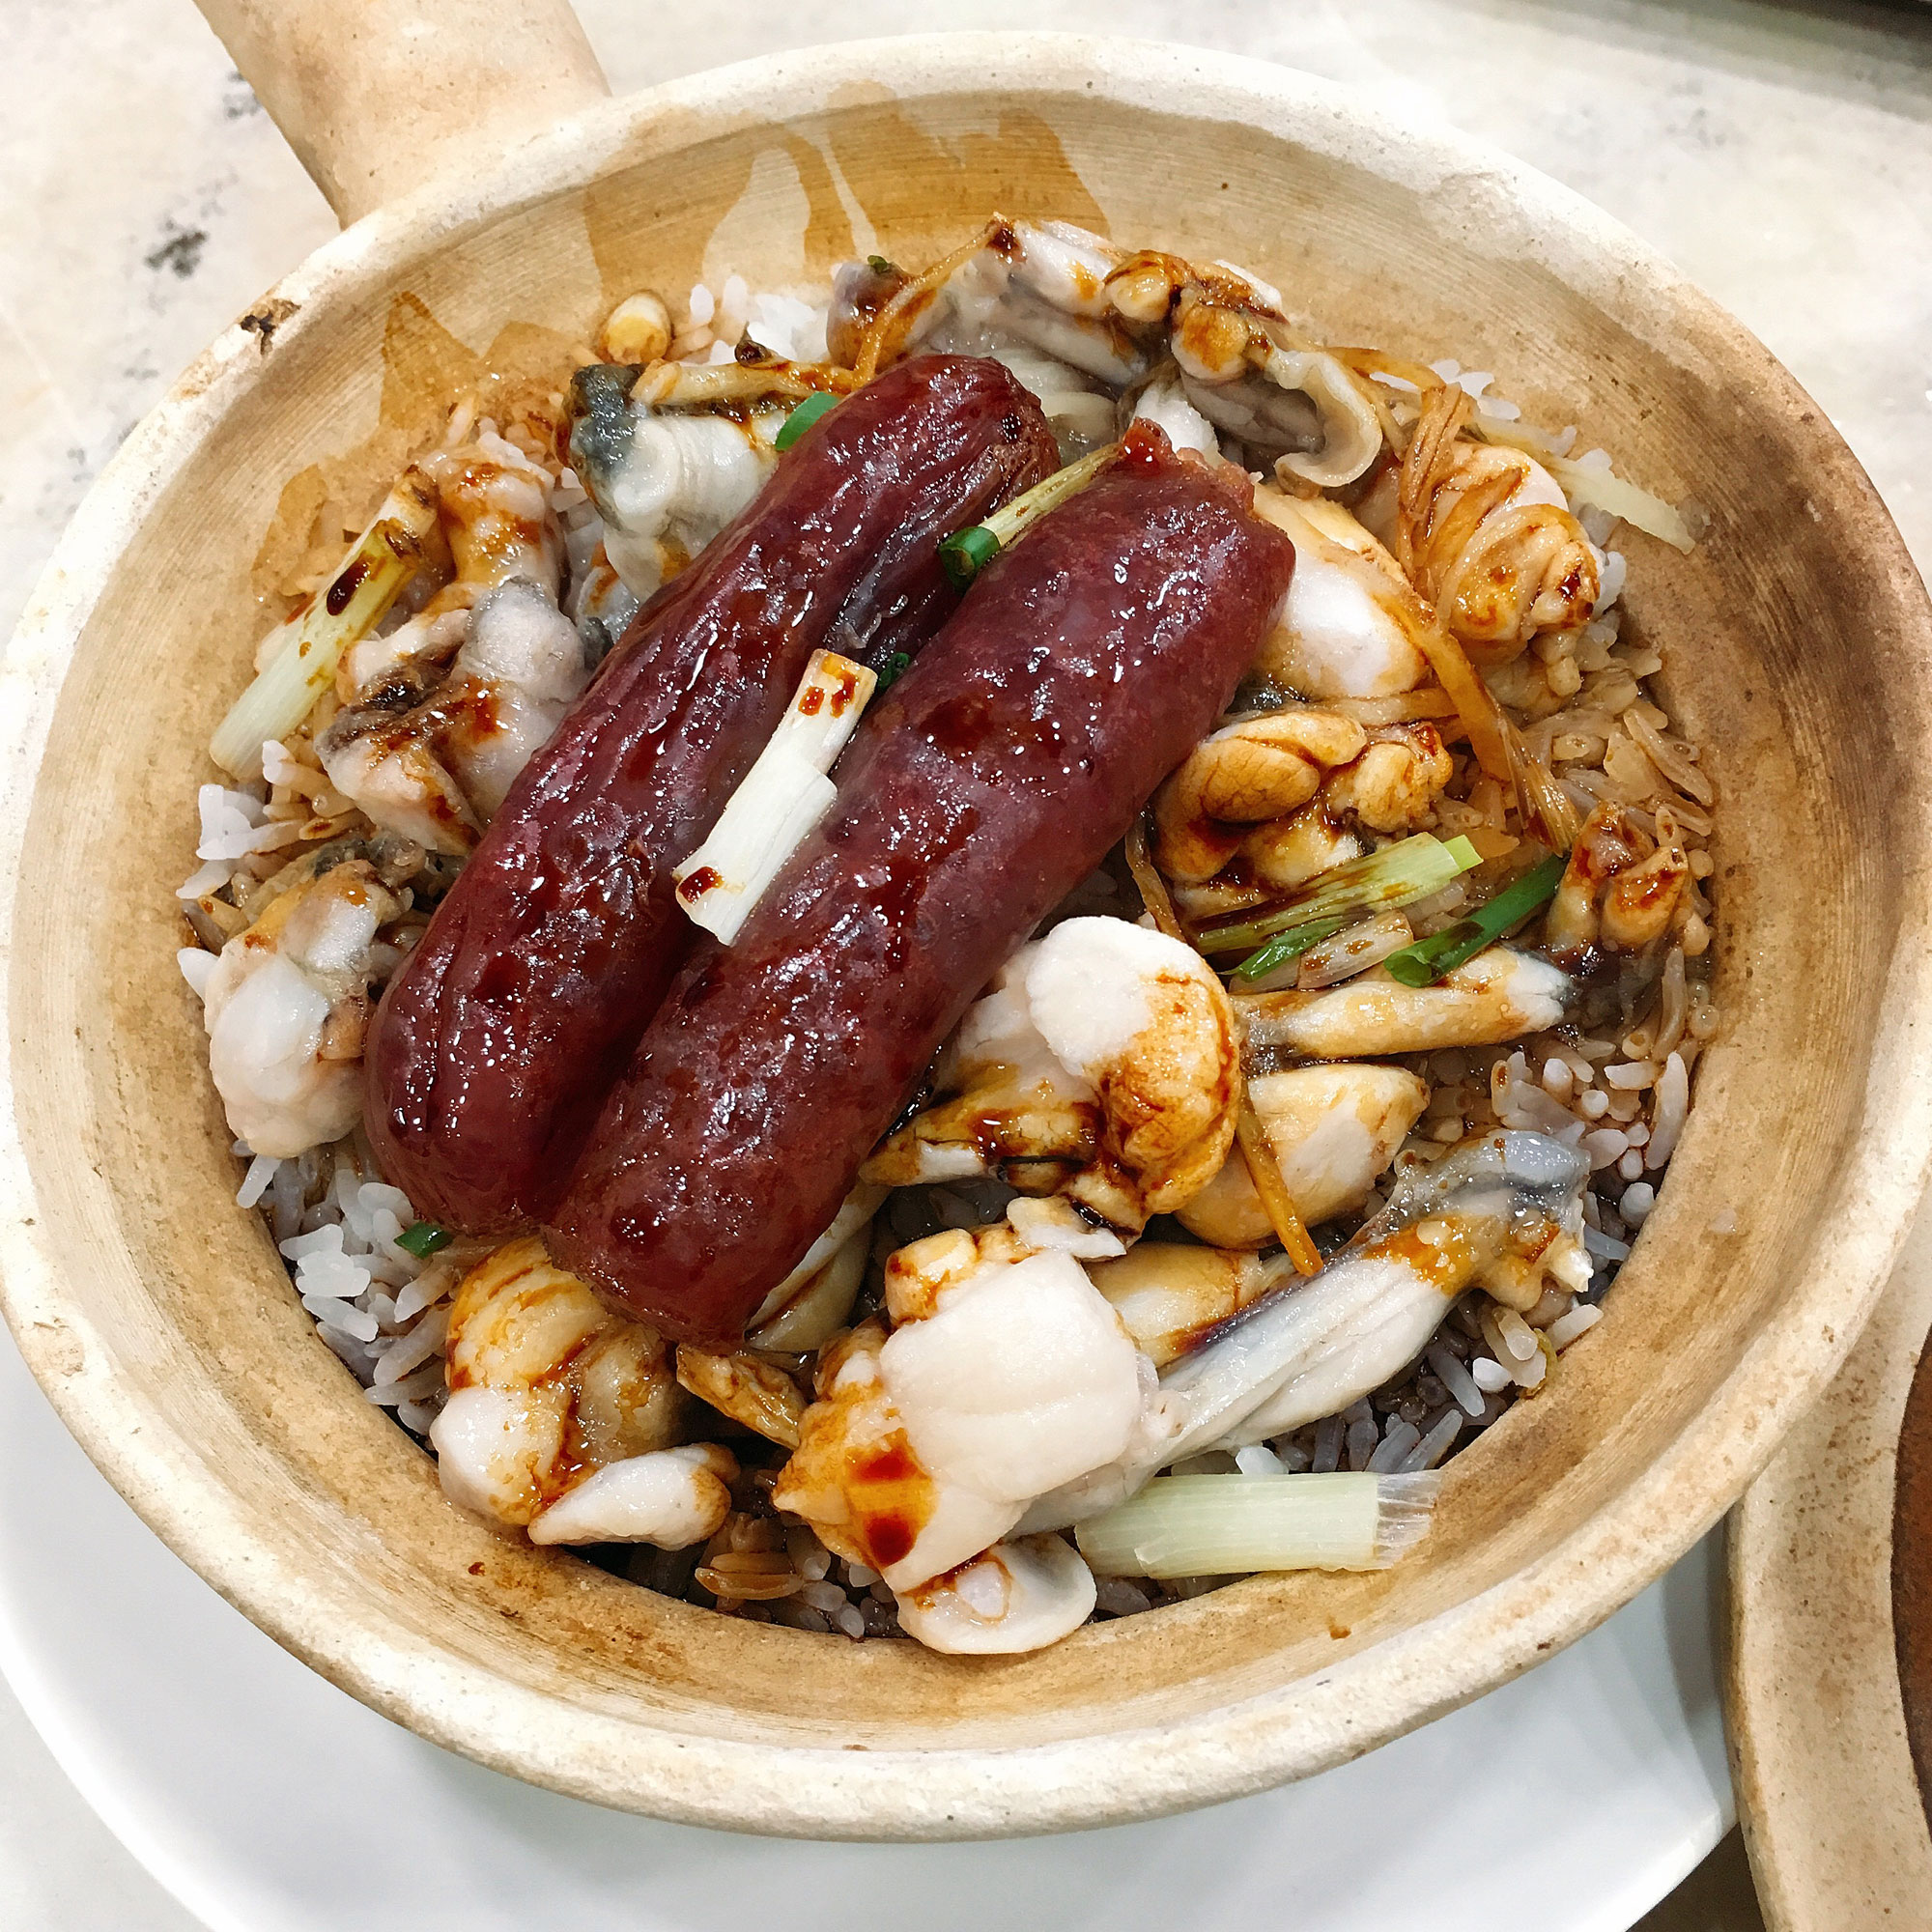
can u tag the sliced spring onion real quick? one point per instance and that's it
(1429, 959)
(892, 670)
(1231, 1525)
(1398, 876)
(1285, 947)
(966, 552)
(303, 664)
(804, 417)
(423, 1238)
(784, 794)
(1356, 947)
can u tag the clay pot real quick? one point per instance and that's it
(1798, 654)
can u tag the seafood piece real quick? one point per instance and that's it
(1492, 1211)
(665, 481)
(811, 1313)
(672, 1497)
(520, 669)
(1260, 768)
(1105, 1047)
(547, 1387)
(1620, 889)
(1289, 851)
(1080, 409)
(1015, 1597)
(1488, 539)
(1352, 626)
(437, 772)
(1085, 661)
(1334, 1129)
(1313, 1347)
(1170, 1295)
(1042, 285)
(496, 1043)
(854, 1216)
(1394, 785)
(856, 1479)
(599, 602)
(758, 1394)
(428, 747)
(1165, 402)
(494, 519)
(1240, 369)
(286, 1005)
(1496, 996)
(1008, 1376)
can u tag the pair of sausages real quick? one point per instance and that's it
(496, 1043)
(995, 776)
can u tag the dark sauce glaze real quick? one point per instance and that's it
(992, 778)
(496, 1043)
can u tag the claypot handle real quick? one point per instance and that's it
(376, 96)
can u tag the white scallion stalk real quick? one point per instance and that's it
(1398, 876)
(1233, 1525)
(1353, 950)
(1615, 496)
(1011, 522)
(780, 800)
(344, 611)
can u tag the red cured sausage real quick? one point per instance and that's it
(496, 1043)
(995, 776)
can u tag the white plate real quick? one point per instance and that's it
(1572, 1799)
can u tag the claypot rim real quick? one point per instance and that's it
(1304, 1727)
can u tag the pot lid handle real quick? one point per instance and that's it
(376, 96)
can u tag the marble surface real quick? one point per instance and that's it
(1781, 155)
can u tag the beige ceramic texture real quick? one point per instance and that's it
(1827, 1795)
(160, 1322)
(376, 96)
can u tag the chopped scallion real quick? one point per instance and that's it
(966, 552)
(892, 670)
(778, 802)
(1287, 946)
(1398, 876)
(1429, 959)
(423, 1238)
(301, 666)
(803, 417)
(1231, 1525)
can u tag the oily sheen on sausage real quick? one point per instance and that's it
(1083, 666)
(496, 1043)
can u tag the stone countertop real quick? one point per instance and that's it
(1780, 155)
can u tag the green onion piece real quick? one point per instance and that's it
(879, 265)
(1231, 1525)
(892, 670)
(423, 1238)
(1398, 876)
(966, 552)
(1429, 959)
(1287, 946)
(345, 610)
(803, 417)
